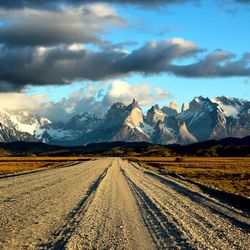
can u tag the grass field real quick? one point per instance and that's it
(227, 174)
(10, 165)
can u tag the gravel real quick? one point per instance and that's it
(111, 203)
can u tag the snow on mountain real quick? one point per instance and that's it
(21, 125)
(202, 119)
(135, 117)
(229, 106)
(154, 115)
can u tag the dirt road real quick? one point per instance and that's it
(111, 203)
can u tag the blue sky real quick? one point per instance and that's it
(209, 25)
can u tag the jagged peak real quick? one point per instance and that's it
(184, 107)
(202, 103)
(135, 101)
(173, 105)
(134, 104)
(117, 105)
(155, 108)
(229, 100)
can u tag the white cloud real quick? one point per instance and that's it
(21, 101)
(124, 92)
(90, 98)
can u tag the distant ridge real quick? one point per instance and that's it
(226, 147)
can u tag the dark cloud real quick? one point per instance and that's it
(216, 64)
(61, 3)
(61, 65)
(243, 1)
(55, 4)
(32, 27)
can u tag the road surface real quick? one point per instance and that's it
(111, 203)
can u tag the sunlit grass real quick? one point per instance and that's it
(9, 165)
(228, 174)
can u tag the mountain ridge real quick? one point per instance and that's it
(203, 119)
(228, 147)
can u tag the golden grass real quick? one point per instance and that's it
(228, 174)
(9, 165)
(44, 158)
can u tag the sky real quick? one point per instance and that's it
(58, 58)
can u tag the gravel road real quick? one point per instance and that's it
(111, 203)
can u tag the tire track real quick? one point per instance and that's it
(112, 220)
(164, 233)
(33, 206)
(113, 204)
(66, 229)
(177, 220)
(224, 211)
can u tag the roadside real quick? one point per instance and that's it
(10, 166)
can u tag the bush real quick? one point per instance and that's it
(179, 159)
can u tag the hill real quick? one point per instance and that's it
(225, 147)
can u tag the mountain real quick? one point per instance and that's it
(20, 125)
(201, 120)
(217, 118)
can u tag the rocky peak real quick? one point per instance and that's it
(86, 120)
(230, 101)
(206, 118)
(202, 104)
(117, 106)
(173, 105)
(154, 115)
(230, 106)
(115, 109)
(171, 109)
(134, 117)
(154, 109)
(133, 105)
(184, 107)
(22, 121)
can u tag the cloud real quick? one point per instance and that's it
(97, 99)
(234, 6)
(21, 101)
(34, 27)
(121, 91)
(82, 100)
(63, 64)
(216, 64)
(243, 1)
(90, 98)
(60, 3)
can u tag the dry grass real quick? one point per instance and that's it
(9, 165)
(228, 174)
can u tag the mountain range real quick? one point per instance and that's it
(202, 119)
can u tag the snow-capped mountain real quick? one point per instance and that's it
(203, 119)
(20, 125)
